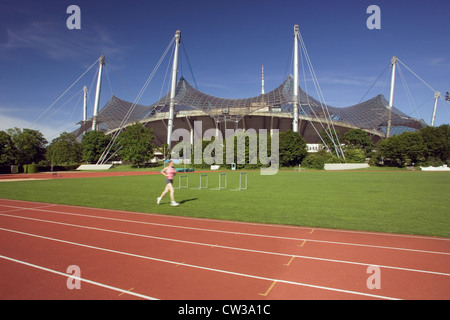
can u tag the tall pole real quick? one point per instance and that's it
(85, 91)
(437, 94)
(391, 97)
(295, 95)
(173, 89)
(101, 62)
(262, 80)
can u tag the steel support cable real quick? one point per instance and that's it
(109, 82)
(321, 98)
(70, 99)
(445, 103)
(312, 110)
(417, 76)
(189, 63)
(373, 84)
(127, 115)
(165, 77)
(133, 106)
(309, 104)
(408, 92)
(162, 90)
(421, 105)
(91, 87)
(71, 115)
(337, 146)
(70, 87)
(64, 104)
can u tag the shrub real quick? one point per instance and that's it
(314, 161)
(32, 168)
(355, 156)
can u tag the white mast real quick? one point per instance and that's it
(391, 96)
(101, 62)
(295, 95)
(262, 80)
(437, 94)
(173, 89)
(85, 90)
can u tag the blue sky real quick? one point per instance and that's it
(226, 43)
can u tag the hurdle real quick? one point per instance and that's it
(179, 182)
(241, 174)
(220, 187)
(201, 186)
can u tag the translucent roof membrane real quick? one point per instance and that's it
(371, 114)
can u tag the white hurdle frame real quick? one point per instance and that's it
(179, 182)
(201, 187)
(240, 182)
(220, 182)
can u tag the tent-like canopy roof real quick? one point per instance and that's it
(371, 114)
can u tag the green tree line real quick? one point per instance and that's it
(428, 146)
(28, 146)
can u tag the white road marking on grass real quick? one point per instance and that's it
(193, 266)
(222, 247)
(95, 283)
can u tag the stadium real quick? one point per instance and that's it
(287, 107)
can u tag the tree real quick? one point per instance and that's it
(437, 142)
(359, 139)
(7, 149)
(136, 144)
(30, 145)
(390, 151)
(412, 146)
(292, 148)
(64, 150)
(400, 148)
(93, 145)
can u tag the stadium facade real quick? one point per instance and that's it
(284, 108)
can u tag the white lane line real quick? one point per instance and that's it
(241, 233)
(201, 267)
(95, 283)
(220, 221)
(226, 247)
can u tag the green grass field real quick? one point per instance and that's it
(398, 201)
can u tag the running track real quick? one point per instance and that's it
(126, 255)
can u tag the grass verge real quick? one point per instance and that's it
(397, 202)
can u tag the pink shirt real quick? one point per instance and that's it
(170, 173)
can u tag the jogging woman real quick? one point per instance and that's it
(169, 172)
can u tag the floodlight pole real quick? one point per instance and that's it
(437, 94)
(101, 62)
(394, 61)
(295, 95)
(173, 89)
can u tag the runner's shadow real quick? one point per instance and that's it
(187, 200)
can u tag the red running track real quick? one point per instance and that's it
(126, 255)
